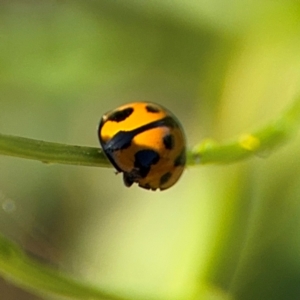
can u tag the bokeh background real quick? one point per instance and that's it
(224, 68)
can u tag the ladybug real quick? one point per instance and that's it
(146, 143)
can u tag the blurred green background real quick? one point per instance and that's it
(224, 68)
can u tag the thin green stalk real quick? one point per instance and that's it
(258, 143)
(49, 152)
(25, 271)
(207, 152)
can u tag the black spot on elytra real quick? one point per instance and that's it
(120, 141)
(169, 141)
(120, 115)
(152, 109)
(144, 159)
(165, 178)
(170, 122)
(180, 159)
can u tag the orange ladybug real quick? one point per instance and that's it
(146, 143)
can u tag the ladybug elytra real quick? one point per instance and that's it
(145, 142)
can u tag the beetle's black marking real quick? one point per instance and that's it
(170, 122)
(152, 109)
(165, 178)
(107, 148)
(169, 141)
(120, 115)
(122, 139)
(180, 159)
(144, 159)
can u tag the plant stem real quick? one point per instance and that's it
(258, 143)
(25, 271)
(49, 152)
(207, 152)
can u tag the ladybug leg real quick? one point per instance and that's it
(128, 180)
(130, 177)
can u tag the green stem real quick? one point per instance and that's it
(23, 270)
(257, 143)
(49, 152)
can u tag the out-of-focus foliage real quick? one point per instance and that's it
(224, 68)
